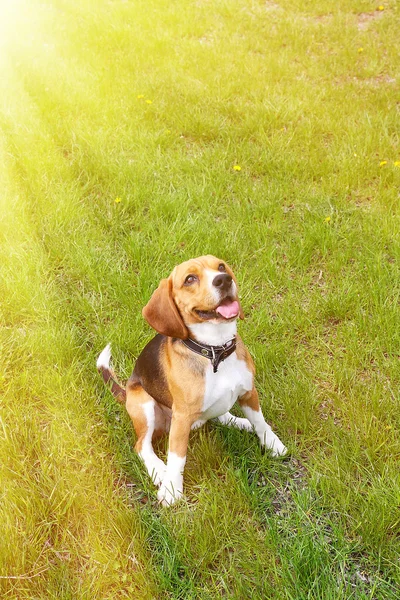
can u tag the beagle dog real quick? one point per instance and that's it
(193, 370)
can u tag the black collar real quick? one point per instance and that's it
(215, 353)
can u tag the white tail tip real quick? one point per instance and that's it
(104, 358)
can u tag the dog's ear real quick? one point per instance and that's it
(162, 314)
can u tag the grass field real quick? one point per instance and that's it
(121, 124)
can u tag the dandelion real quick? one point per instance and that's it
(327, 219)
(237, 168)
(383, 163)
(360, 50)
(381, 7)
(397, 163)
(117, 200)
(167, 131)
(140, 96)
(149, 101)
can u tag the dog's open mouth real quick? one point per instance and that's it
(227, 309)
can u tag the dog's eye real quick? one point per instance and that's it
(190, 279)
(221, 267)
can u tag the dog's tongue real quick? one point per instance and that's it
(228, 309)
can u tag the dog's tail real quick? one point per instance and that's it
(103, 367)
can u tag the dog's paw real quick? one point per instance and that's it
(169, 493)
(275, 445)
(279, 449)
(157, 477)
(156, 468)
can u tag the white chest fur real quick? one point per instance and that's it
(224, 387)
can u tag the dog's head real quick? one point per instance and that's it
(198, 290)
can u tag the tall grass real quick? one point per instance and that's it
(154, 104)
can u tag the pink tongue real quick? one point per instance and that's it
(228, 310)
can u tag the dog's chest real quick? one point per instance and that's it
(224, 387)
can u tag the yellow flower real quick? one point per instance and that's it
(360, 50)
(381, 7)
(149, 101)
(355, 154)
(140, 96)
(117, 200)
(383, 163)
(237, 168)
(327, 219)
(397, 163)
(167, 131)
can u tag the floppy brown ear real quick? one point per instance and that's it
(162, 314)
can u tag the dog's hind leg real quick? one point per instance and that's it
(148, 420)
(238, 422)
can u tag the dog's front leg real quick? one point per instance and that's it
(172, 486)
(250, 405)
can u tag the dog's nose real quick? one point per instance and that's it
(223, 281)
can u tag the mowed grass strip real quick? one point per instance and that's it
(155, 106)
(65, 529)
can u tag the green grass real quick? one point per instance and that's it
(303, 96)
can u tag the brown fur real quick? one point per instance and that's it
(116, 388)
(162, 314)
(135, 398)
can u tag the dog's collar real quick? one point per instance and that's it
(216, 354)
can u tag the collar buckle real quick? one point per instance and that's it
(216, 354)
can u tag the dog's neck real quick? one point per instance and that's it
(213, 334)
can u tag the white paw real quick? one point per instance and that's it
(275, 445)
(157, 476)
(156, 468)
(197, 424)
(169, 493)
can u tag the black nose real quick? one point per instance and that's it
(223, 281)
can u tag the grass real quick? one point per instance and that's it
(155, 103)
